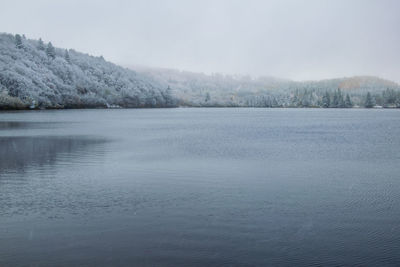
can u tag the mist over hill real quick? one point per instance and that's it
(199, 89)
(38, 75)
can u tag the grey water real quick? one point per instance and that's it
(200, 187)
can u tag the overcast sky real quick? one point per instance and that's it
(309, 39)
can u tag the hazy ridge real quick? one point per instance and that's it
(240, 90)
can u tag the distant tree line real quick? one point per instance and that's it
(337, 99)
(217, 90)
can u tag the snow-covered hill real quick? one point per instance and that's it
(37, 75)
(198, 89)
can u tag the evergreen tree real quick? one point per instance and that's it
(50, 51)
(274, 102)
(338, 100)
(389, 97)
(208, 97)
(305, 100)
(18, 41)
(341, 102)
(326, 100)
(295, 99)
(41, 45)
(397, 101)
(66, 56)
(169, 99)
(348, 103)
(369, 102)
(335, 102)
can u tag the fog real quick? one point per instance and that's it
(300, 40)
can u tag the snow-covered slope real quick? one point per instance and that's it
(36, 75)
(198, 89)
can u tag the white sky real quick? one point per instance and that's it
(303, 39)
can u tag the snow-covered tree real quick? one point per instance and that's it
(338, 100)
(66, 56)
(390, 97)
(41, 45)
(50, 50)
(326, 100)
(348, 103)
(18, 41)
(335, 100)
(341, 102)
(369, 102)
(207, 98)
(28, 76)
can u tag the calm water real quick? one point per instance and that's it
(200, 187)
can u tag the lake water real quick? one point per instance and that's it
(200, 187)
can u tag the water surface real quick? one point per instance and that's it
(200, 187)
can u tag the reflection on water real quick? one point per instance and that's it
(7, 125)
(16, 153)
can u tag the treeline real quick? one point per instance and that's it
(310, 98)
(34, 74)
(217, 90)
(38, 75)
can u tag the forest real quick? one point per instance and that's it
(37, 75)
(218, 90)
(34, 74)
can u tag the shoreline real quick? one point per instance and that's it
(216, 106)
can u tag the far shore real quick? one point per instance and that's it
(5, 109)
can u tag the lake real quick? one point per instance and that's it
(200, 187)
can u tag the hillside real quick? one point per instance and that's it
(198, 89)
(37, 75)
